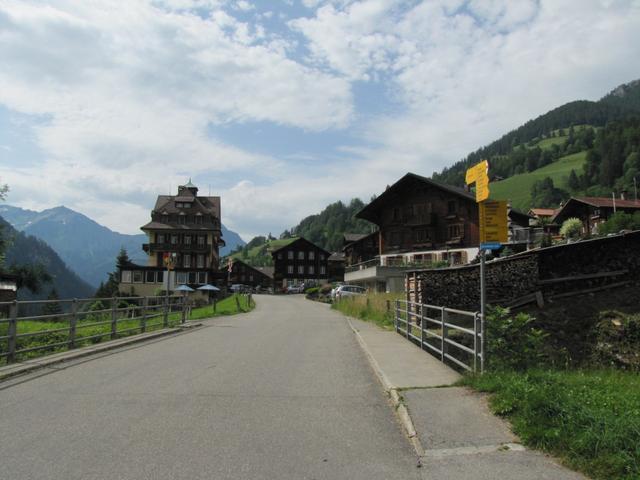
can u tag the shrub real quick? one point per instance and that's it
(512, 341)
(618, 340)
(571, 228)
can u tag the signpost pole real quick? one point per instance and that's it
(483, 308)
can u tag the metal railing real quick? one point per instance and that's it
(45, 326)
(374, 262)
(451, 335)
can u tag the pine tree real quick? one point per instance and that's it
(52, 308)
(573, 182)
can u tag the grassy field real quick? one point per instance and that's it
(589, 419)
(86, 327)
(371, 308)
(518, 188)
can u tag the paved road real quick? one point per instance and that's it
(283, 392)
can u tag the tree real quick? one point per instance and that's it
(122, 260)
(571, 228)
(111, 288)
(573, 182)
(54, 307)
(545, 195)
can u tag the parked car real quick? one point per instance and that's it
(295, 289)
(344, 291)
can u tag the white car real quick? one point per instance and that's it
(344, 291)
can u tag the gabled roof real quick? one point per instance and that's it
(267, 271)
(543, 212)
(300, 240)
(354, 237)
(337, 257)
(369, 211)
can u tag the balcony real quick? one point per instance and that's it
(176, 247)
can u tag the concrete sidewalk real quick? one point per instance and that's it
(454, 433)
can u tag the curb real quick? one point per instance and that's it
(28, 366)
(396, 399)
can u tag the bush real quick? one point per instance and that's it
(512, 341)
(618, 340)
(571, 228)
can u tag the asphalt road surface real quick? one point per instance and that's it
(284, 392)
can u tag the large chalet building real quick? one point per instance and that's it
(593, 211)
(419, 221)
(299, 262)
(185, 230)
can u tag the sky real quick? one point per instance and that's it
(282, 106)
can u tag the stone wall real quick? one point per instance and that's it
(543, 270)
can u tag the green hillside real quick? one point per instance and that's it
(260, 256)
(518, 187)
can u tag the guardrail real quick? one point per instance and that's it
(71, 323)
(451, 335)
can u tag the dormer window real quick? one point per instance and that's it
(182, 219)
(165, 218)
(198, 218)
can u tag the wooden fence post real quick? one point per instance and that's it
(165, 312)
(237, 303)
(12, 332)
(143, 320)
(114, 318)
(475, 342)
(397, 316)
(72, 323)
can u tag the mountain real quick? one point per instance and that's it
(28, 250)
(620, 103)
(86, 246)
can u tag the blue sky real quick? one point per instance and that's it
(280, 107)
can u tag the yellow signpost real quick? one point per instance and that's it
(493, 221)
(479, 174)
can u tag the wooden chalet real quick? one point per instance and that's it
(300, 261)
(593, 211)
(245, 274)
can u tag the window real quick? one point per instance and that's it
(290, 254)
(174, 239)
(323, 270)
(182, 219)
(159, 238)
(395, 239)
(192, 277)
(451, 207)
(300, 269)
(178, 205)
(200, 261)
(421, 235)
(181, 277)
(187, 239)
(251, 278)
(300, 255)
(322, 257)
(289, 268)
(311, 270)
(198, 219)
(150, 277)
(126, 276)
(137, 276)
(160, 276)
(454, 231)
(165, 218)
(187, 260)
(279, 255)
(201, 240)
(312, 255)
(202, 278)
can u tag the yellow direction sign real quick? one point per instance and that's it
(479, 174)
(493, 221)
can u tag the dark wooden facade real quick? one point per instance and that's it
(244, 274)
(300, 261)
(593, 211)
(417, 213)
(359, 248)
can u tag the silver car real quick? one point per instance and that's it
(344, 291)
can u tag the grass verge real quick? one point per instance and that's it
(588, 418)
(373, 307)
(43, 333)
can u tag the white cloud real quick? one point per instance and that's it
(126, 98)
